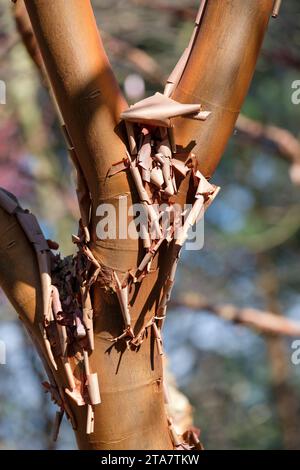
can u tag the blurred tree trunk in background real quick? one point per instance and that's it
(286, 399)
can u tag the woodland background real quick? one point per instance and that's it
(243, 386)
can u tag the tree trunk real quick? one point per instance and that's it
(218, 73)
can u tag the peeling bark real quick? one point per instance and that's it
(120, 295)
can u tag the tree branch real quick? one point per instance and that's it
(282, 141)
(8, 46)
(19, 274)
(24, 29)
(210, 67)
(85, 87)
(261, 321)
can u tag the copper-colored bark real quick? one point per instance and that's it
(19, 274)
(131, 415)
(219, 73)
(131, 388)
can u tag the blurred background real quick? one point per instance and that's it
(242, 384)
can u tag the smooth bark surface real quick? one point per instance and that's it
(132, 414)
(219, 74)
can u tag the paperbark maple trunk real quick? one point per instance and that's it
(132, 414)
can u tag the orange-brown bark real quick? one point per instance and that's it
(219, 74)
(132, 408)
(131, 415)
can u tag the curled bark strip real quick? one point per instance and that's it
(76, 396)
(122, 294)
(131, 138)
(87, 315)
(188, 441)
(91, 382)
(166, 392)
(158, 338)
(156, 177)
(61, 329)
(118, 167)
(159, 110)
(176, 74)
(276, 8)
(90, 420)
(174, 436)
(151, 166)
(58, 419)
(162, 308)
(69, 373)
(194, 213)
(149, 256)
(56, 393)
(48, 347)
(127, 334)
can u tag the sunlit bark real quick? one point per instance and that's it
(131, 415)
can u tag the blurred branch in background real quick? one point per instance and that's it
(277, 232)
(143, 62)
(8, 45)
(278, 140)
(181, 12)
(262, 322)
(283, 57)
(66, 196)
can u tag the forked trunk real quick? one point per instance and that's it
(120, 287)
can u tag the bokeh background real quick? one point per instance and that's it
(243, 387)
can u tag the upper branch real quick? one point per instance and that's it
(263, 322)
(218, 74)
(83, 82)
